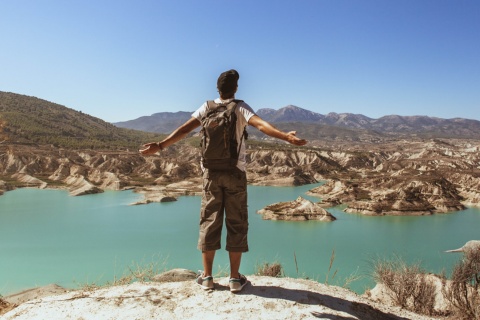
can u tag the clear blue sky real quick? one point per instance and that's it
(119, 60)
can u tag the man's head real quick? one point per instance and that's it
(227, 83)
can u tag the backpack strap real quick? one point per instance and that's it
(212, 106)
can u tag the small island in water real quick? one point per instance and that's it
(298, 210)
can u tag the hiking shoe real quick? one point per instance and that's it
(206, 283)
(236, 285)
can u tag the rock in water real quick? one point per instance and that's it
(298, 210)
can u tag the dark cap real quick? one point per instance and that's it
(227, 81)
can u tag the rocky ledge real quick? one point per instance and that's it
(262, 298)
(298, 210)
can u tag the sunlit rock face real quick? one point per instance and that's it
(298, 210)
(408, 178)
(396, 177)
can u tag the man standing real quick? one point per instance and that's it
(224, 192)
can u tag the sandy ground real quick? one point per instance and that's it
(262, 298)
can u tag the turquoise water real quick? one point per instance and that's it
(47, 236)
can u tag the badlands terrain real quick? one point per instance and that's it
(397, 177)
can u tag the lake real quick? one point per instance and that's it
(47, 236)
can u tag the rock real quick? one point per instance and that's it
(262, 298)
(3, 187)
(62, 172)
(154, 194)
(186, 188)
(78, 186)
(298, 210)
(281, 167)
(29, 180)
(105, 180)
(35, 293)
(424, 195)
(176, 275)
(278, 182)
(471, 245)
(332, 192)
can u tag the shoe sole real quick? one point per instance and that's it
(205, 287)
(234, 290)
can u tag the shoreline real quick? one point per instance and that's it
(169, 193)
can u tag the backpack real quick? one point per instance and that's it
(219, 146)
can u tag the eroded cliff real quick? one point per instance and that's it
(398, 177)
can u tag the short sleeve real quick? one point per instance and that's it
(200, 112)
(246, 111)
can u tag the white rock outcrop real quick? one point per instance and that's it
(297, 210)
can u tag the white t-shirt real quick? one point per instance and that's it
(244, 112)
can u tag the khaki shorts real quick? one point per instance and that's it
(224, 192)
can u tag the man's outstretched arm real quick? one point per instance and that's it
(179, 133)
(270, 130)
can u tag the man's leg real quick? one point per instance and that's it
(235, 259)
(207, 259)
(236, 219)
(211, 220)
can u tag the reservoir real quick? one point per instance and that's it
(47, 236)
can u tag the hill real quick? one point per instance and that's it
(29, 120)
(163, 122)
(333, 126)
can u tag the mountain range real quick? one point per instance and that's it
(25, 119)
(308, 122)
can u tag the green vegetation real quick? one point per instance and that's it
(28, 120)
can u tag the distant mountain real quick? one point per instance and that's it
(164, 122)
(29, 120)
(349, 120)
(354, 124)
(289, 114)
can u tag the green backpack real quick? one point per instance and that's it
(219, 144)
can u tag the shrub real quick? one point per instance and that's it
(407, 284)
(5, 306)
(274, 269)
(463, 291)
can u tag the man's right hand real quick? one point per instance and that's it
(150, 148)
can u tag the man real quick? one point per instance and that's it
(224, 191)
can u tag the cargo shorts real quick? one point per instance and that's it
(224, 195)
